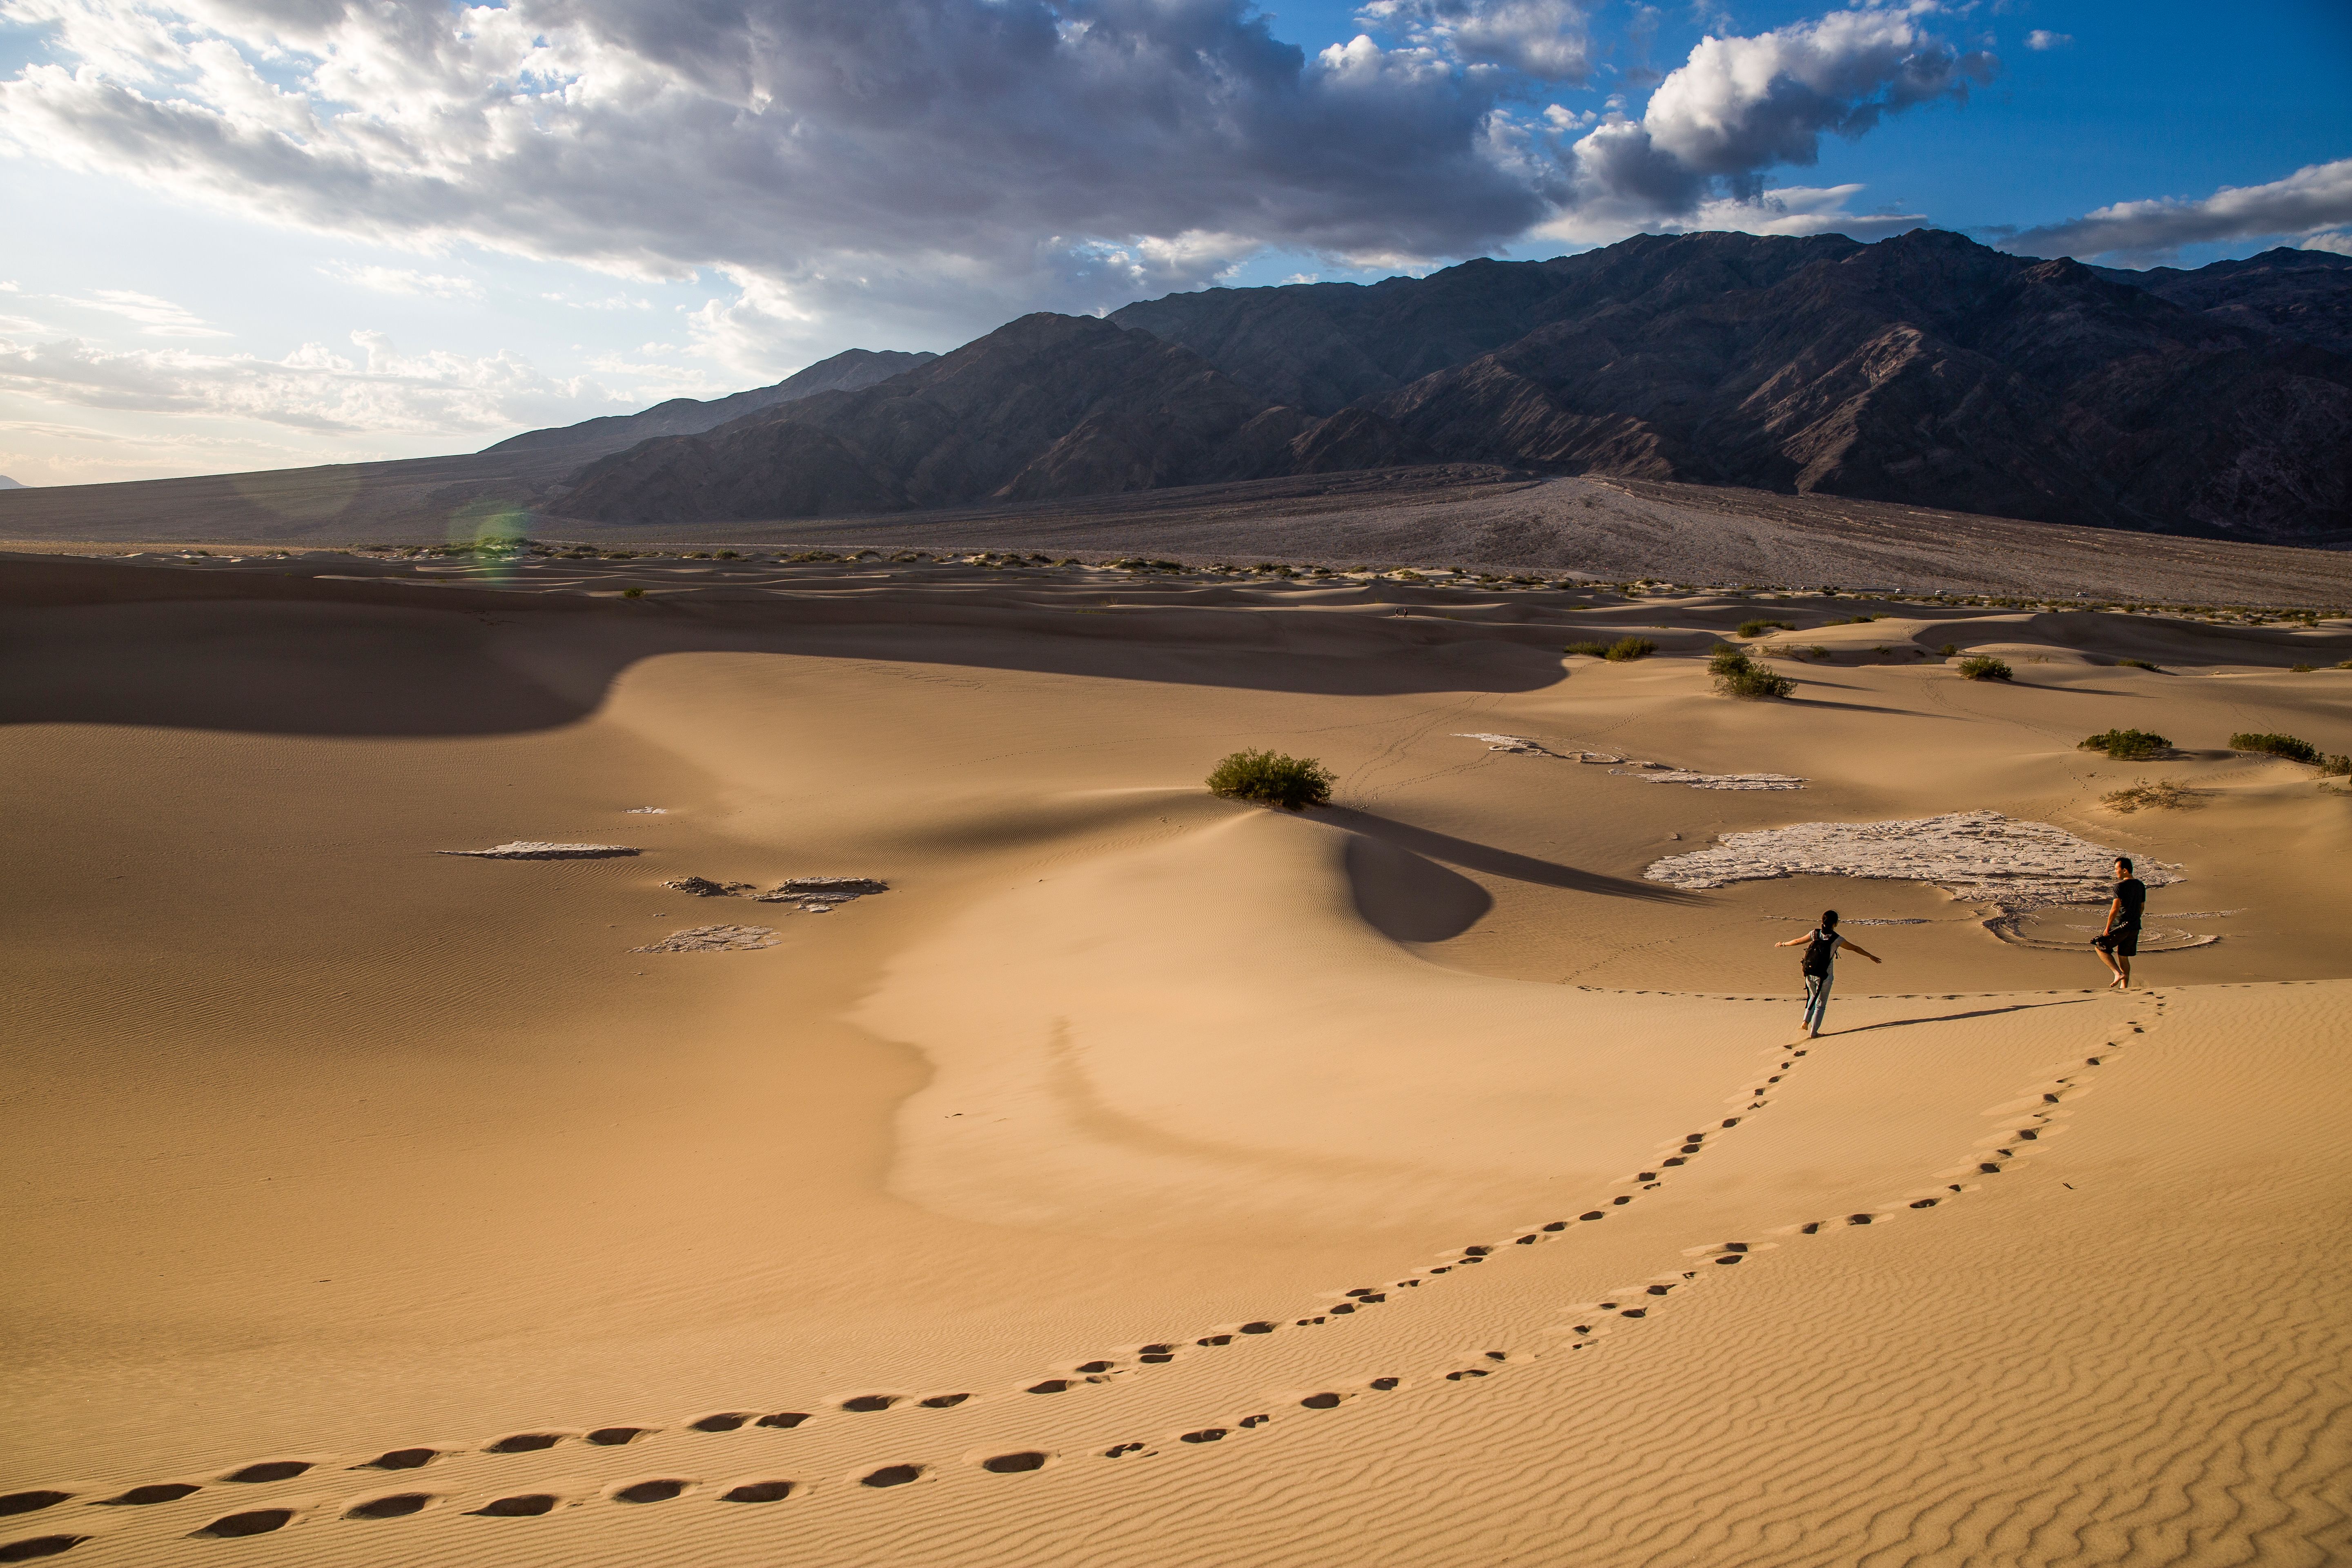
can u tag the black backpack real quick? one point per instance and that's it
(1818, 952)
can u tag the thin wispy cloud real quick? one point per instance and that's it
(154, 317)
(2312, 199)
(406, 281)
(315, 388)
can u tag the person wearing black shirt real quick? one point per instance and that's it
(2119, 943)
(1820, 945)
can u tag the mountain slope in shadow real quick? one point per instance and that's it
(1924, 369)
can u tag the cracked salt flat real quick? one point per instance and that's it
(1979, 856)
(713, 939)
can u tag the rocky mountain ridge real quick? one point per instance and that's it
(1923, 369)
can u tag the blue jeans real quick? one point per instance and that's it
(1817, 999)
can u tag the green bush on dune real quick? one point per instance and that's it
(1737, 675)
(1618, 652)
(1984, 667)
(1269, 778)
(2125, 745)
(1757, 628)
(2287, 746)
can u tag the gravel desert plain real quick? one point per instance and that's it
(874, 1105)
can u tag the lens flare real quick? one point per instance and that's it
(493, 532)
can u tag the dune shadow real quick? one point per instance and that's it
(1431, 845)
(317, 650)
(1410, 898)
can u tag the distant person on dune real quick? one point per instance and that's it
(1820, 945)
(2119, 944)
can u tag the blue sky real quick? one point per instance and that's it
(237, 243)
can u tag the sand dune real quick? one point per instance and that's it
(1146, 1179)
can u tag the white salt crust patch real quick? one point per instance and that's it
(1656, 772)
(532, 849)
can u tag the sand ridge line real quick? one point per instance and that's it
(2037, 1110)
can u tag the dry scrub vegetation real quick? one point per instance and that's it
(2164, 794)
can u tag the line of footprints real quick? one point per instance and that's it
(2032, 1115)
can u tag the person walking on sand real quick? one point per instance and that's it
(1820, 945)
(2118, 943)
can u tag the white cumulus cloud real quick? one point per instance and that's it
(1549, 40)
(927, 167)
(2042, 39)
(1740, 106)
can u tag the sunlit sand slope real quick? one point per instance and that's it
(1143, 1179)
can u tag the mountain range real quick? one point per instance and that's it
(844, 371)
(1924, 369)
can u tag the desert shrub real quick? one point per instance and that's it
(2346, 665)
(1625, 650)
(1757, 628)
(2125, 745)
(1269, 778)
(2337, 766)
(1982, 667)
(2286, 746)
(1737, 675)
(2135, 664)
(1949, 648)
(2163, 796)
(2299, 669)
(633, 593)
(1587, 649)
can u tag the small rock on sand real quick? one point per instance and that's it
(704, 888)
(817, 894)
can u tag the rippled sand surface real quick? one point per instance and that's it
(1139, 1177)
